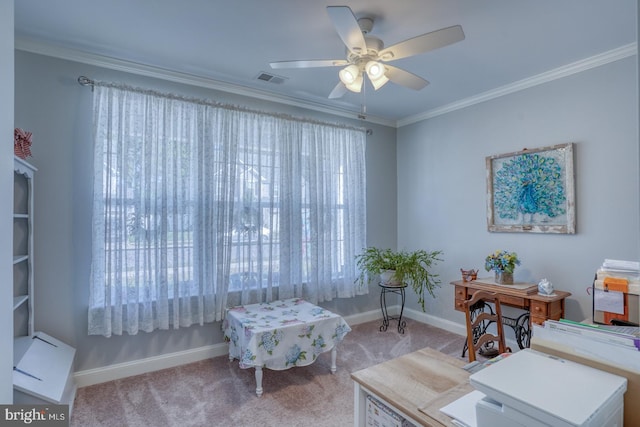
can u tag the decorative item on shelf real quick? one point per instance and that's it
(469, 275)
(412, 268)
(503, 263)
(545, 287)
(21, 143)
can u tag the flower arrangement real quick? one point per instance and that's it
(501, 261)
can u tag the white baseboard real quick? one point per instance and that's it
(149, 364)
(170, 360)
(156, 363)
(438, 322)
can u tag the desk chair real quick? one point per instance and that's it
(479, 316)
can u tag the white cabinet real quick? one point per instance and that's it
(42, 365)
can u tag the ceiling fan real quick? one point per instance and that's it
(366, 54)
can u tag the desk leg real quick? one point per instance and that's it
(259, 381)
(359, 405)
(523, 330)
(334, 353)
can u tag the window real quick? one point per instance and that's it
(199, 206)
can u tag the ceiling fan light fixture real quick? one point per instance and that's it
(349, 74)
(375, 70)
(366, 54)
(379, 82)
(356, 85)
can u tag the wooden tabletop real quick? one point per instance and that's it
(521, 289)
(418, 384)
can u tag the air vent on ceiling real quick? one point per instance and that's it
(271, 78)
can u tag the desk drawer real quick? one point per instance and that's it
(460, 297)
(512, 301)
(539, 308)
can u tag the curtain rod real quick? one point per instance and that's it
(86, 81)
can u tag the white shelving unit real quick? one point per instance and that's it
(43, 365)
(23, 247)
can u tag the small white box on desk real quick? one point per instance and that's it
(534, 389)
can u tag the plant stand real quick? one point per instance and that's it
(393, 289)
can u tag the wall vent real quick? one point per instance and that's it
(271, 78)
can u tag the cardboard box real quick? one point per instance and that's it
(630, 287)
(632, 395)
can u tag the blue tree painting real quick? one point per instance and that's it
(529, 188)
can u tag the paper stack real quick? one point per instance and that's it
(629, 270)
(616, 289)
(597, 342)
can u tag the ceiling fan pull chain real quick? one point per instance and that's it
(363, 107)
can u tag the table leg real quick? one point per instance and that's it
(259, 381)
(523, 330)
(334, 353)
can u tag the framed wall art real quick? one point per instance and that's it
(532, 191)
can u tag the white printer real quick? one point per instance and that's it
(534, 389)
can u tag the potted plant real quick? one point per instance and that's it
(400, 267)
(503, 263)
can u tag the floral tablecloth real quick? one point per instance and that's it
(281, 334)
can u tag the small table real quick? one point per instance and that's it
(415, 386)
(281, 334)
(394, 289)
(520, 295)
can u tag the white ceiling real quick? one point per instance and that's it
(507, 41)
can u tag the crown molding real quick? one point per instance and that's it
(557, 73)
(190, 79)
(31, 46)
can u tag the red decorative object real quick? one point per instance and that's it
(21, 143)
(469, 275)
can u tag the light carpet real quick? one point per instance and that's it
(216, 392)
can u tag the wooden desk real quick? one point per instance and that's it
(415, 386)
(520, 295)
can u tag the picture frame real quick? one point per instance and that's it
(532, 191)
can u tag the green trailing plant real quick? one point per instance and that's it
(411, 268)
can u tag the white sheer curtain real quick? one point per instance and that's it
(199, 206)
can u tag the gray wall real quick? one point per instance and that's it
(442, 187)
(51, 104)
(438, 201)
(6, 208)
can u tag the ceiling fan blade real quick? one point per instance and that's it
(338, 91)
(405, 78)
(309, 63)
(348, 29)
(423, 43)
